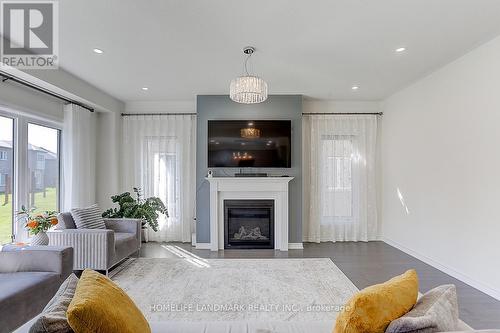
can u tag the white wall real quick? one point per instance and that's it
(80, 89)
(333, 106)
(441, 142)
(171, 106)
(16, 97)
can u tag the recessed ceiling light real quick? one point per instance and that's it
(401, 49)
(145, 88)
(250, 124)
(98, 51)
(354, 87)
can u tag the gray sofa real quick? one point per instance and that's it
(29, 278)
(98, 249)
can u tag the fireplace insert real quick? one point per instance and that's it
(249, 224)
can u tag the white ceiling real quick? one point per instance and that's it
(179, 49)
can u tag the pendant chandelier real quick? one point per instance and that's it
(248, 89)
(250, 133)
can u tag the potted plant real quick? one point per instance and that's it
(148, 210)
(38, 223)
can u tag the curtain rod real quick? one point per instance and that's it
(7, 77)
(304, 113)
(157, 114)
(342, 113)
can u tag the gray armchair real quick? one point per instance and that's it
(98, 249)
(29, 278)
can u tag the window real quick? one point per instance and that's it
(337, 152)
(29, 173)
(43, 167)
(167, 182)
(6, 179)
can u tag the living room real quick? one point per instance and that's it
(265, 166)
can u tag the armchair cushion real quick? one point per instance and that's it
(125, 244)
(124, 225)
(122, 237)
(65, 221)
(88, 218)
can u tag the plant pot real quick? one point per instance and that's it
(40, 238)
(145, 235)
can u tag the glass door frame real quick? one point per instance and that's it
(20, 188)
(13, 172)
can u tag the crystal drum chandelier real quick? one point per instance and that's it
(250, 133)
(248, 89)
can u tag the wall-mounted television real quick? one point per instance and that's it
(249, 143)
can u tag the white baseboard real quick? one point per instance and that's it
(295, 246)
(203, 246)
(446, 269)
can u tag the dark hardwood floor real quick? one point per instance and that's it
(365, 264)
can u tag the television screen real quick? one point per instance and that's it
(249, 143)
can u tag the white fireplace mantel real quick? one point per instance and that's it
(229, 188)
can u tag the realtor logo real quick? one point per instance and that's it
(30, 36)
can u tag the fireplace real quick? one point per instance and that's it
(249, 224)
(248, 189)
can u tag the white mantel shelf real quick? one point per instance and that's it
(248, 188)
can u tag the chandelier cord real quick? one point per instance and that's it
(246, 61)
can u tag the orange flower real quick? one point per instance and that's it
(53, 221)
(32, 224)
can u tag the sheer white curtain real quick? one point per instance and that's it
(159, 157)
(339, 155)
(78, 157)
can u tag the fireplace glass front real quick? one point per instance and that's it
(249, 224)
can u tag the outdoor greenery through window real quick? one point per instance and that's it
(43, 165)
(6, 178)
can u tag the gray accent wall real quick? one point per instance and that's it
(221, 107)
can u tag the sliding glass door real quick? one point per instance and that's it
(6, 178)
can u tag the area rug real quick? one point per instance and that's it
(196, 289)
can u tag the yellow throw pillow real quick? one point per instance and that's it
(99, 305)
(372, 309)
